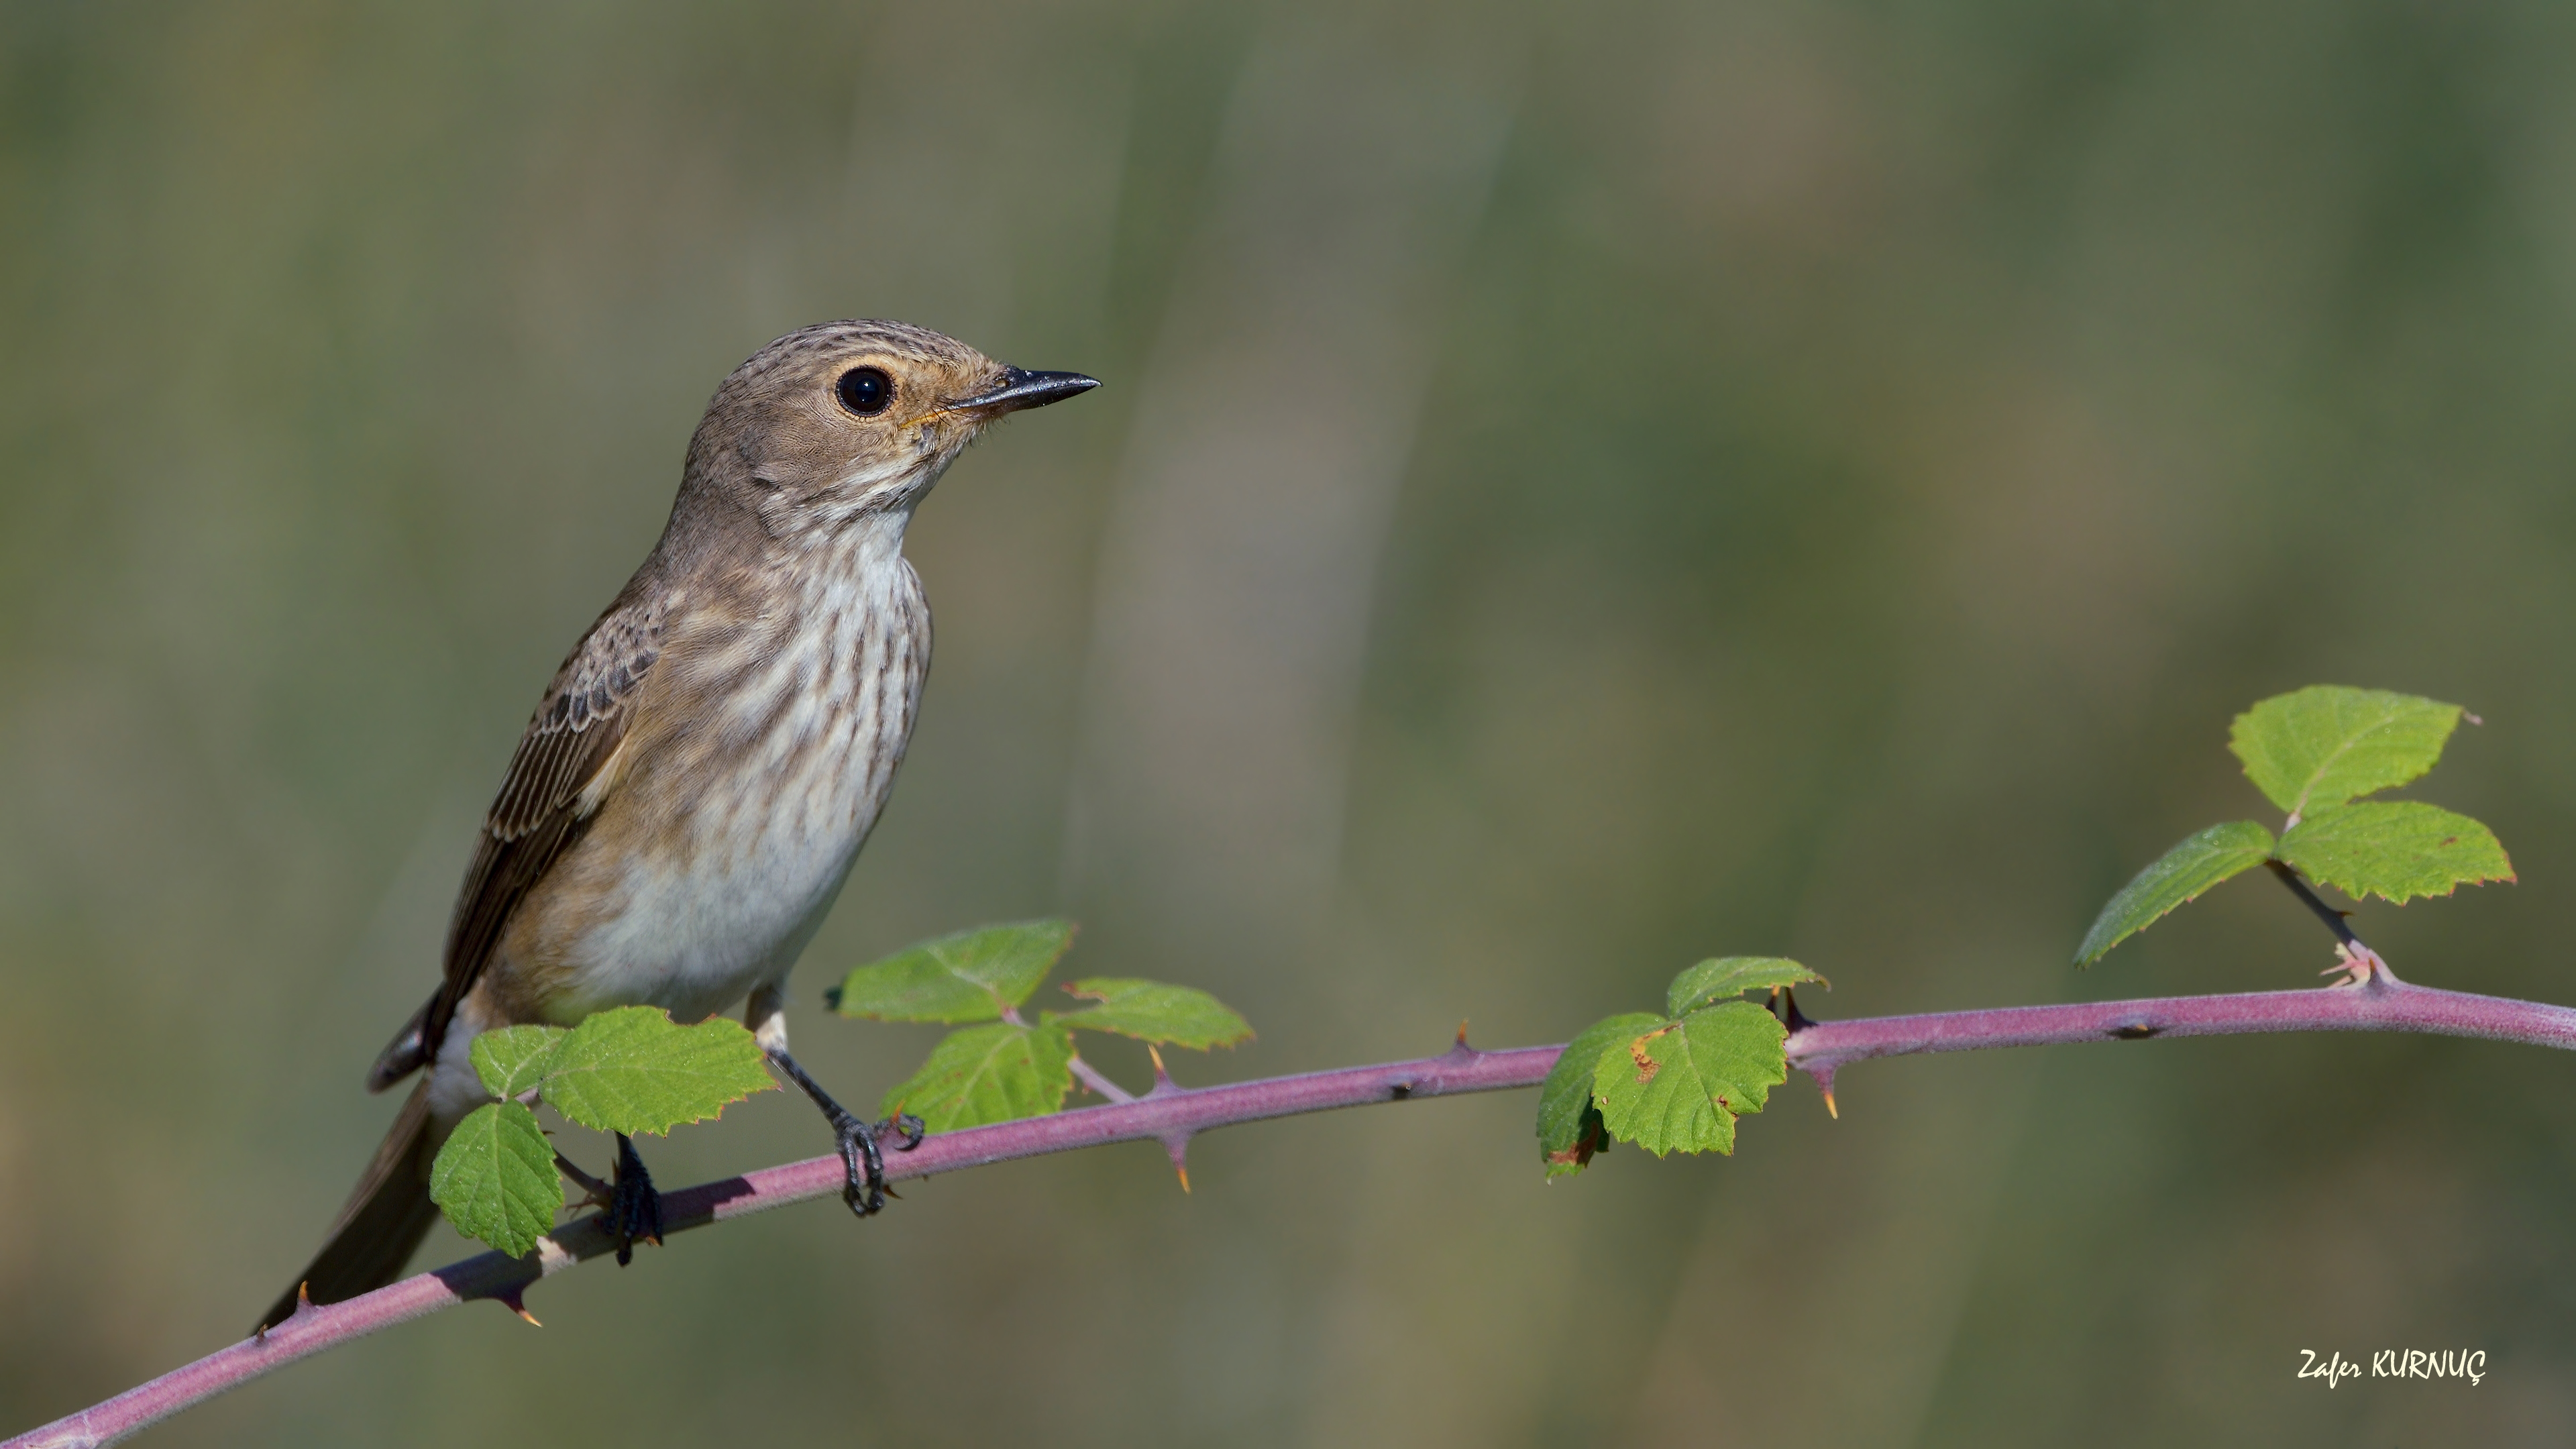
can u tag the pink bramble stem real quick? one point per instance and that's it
(1171, 1115)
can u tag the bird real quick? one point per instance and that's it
(700, 775)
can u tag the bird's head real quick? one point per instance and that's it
(845, 419)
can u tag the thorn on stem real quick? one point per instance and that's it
(2358, 965)
(1162, 1077)
(1459, 1051)
(511, 1301)
(1178, 1149)
(1825, 1083)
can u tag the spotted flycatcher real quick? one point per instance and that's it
(701, 773)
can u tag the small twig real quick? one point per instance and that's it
(1091, 1077)
(1089, 1074)
(2333, 918)
(595, 1192)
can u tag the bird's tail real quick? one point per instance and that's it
(386, 1217)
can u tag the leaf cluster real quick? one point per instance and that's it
(1011, 1067)
(630, 1069)
(2315, 753)
(1673, 1081)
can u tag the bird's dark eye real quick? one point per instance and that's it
(865, 390)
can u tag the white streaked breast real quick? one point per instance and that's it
(818, 722)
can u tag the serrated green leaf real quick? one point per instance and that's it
(495, 1178)
(1570, 1129)
(2395, 849)
(2179, 876)
(970, 976)
(997, 1073)
(2327, 745)
(1155, 1012)
(631, 1069)
(1729, 976)
(512, 1059)
(1679, 1087)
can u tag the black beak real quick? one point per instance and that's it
(1024, 389)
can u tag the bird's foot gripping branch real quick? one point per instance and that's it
(631, 1070)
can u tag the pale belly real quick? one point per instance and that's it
(691, 932)
(695, 937)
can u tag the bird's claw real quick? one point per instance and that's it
(906, 1126)
(864, 1186)
(864, 1189)
(634, 1208)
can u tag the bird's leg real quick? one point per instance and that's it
(864, 1187)
(634, 1208)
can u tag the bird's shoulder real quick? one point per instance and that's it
(583, 715)
(554, 784)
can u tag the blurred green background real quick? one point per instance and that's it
(1579, 489)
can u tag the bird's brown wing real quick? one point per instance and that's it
(539, 811)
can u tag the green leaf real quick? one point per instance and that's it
(996, 1073)
(495, 1178)
(1569, 1125)
(2397, 849)
(512, 1059)
(1151, 1011)
(1679, 1087)
(2185, 871)
(631, 1069)
(1728, 976)
(970, 976)
(2327, 745)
